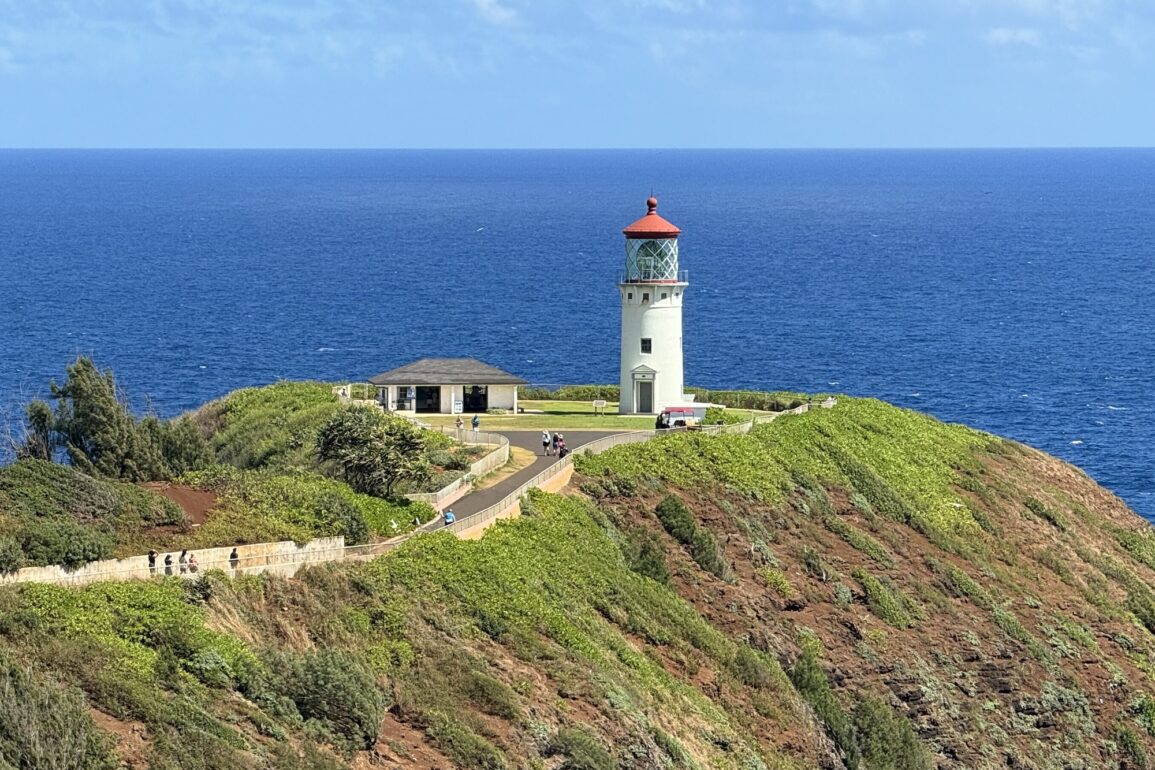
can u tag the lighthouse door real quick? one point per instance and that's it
(645, 390)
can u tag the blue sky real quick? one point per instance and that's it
(589, 73)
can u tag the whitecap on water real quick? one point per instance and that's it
(1076, 442)
(325, 350)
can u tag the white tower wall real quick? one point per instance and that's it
(651, 311)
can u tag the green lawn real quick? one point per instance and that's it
(562, 415)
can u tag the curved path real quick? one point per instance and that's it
(480, 499)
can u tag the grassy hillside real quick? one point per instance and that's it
(861, 587)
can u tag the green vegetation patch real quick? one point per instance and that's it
(555, 585)
(258, 506)
(859, 540)
(886, 600)
(904, 464)
(705, 550)
(54, 514)
(273, 427)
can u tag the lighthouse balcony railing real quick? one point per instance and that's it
(681, 276)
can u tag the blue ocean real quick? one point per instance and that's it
(1010, 290)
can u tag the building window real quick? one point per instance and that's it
(665, 295)
(647, 345)
(630, 296)
(645, 297)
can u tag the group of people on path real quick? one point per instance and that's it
(187, 562)
(553, 445)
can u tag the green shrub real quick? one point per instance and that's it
(811, 683)
(816, 566)
(859, 540)
(885, 601)
(777, 581)
(1038, 508)
(677, 519)
(752, 669)
(958, 583)
(887, 741)
(581, 750)
(44, 724)
(442, 458)
(63, 542)
(338, 690)
(11, 556)
(842, 595)
(645, 554)
(1134, 756)
(463, 746)
(704, 549)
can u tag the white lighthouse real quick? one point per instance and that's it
(652, 289)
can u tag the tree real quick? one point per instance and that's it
(40, 441)
(96, 428)
(94, 425)
(374, 452)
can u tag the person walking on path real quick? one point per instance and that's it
(183, 562)
(193, 565)
(476, 422)
(168, 564)
(460, 423)
(234, 560)
(545, 442)
(554, 441)
(152, 562)
(449, 517)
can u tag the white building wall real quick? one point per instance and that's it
(660, 320)
(503, 397)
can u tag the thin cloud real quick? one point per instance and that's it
(494, 12)
(1014, 36)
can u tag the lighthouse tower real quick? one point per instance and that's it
(651, 289)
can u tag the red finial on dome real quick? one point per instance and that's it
(651, 225)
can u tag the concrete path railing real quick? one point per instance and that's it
(287, 558)
(460, 487)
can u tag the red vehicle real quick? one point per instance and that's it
(676, 417)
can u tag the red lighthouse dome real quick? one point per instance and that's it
(652, 225)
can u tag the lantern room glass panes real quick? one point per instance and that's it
(652, 260)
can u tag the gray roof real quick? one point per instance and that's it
(447, 371)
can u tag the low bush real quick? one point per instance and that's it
(887, 741)
(645, 554)
(11, 556)
(44, 724)
(1046, 513)
(885, 601)
(704, 549)
(859, 540)
(338, 690)
(465, 747)
(811, 683)
(63, 542)
(581, 751)
(777, 582)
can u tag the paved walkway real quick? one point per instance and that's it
(526, 439)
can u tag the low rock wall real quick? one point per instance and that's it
(281, 558)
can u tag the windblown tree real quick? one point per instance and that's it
(92, 423)
(374, 452)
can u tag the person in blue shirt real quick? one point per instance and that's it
(449, 517)
(476, 422)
